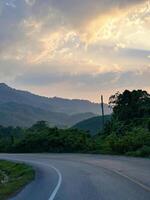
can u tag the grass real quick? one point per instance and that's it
(13, 176)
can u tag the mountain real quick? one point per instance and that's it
(92, 125)
(22, 108)
(14, 114)
(76, 106)
(55, 104)
(8, 94)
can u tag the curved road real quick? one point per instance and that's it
(85, 177)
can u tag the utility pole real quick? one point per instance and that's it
(102, 107)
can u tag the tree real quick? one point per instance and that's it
(39, 126)
(130, 105)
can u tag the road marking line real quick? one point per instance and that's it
(53, 195)
(147, 188)
(58, 184)
(132, 180)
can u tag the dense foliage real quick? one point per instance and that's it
(41, 138)
(127, 132)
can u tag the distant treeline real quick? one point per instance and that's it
(41, 138)
(127, 132)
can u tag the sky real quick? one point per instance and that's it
(73, 48)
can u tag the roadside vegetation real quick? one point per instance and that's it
(13, 176)
(126, 133)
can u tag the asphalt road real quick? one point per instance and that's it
(85, 177)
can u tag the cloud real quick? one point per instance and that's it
(32, 28)
(11, 3)
(9, 70)
(30, 2)
(138, 78)
(79, 12)
(79, 44)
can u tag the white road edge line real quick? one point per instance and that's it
(53, 195)
(55, 191)
(58, 184)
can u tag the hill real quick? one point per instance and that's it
(14, 114)
(55, 104)
(92, 125)
(22, 108)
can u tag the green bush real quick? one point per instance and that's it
(142, 152)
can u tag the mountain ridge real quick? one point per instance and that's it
(14, 114)
(56, 104)
(23, 108)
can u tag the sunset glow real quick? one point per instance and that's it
(73, 48)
